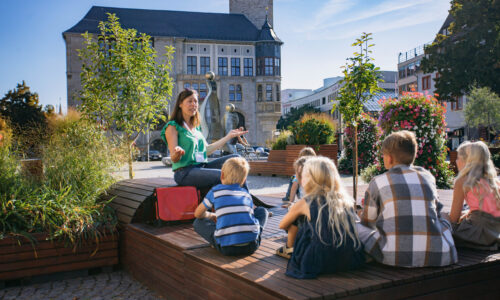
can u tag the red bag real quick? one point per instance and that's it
(176, 203)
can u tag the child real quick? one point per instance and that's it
(478, 185)
(401, 223)
(294, 186)
(235, 227)
(324, 221)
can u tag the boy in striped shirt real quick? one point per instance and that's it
(236, 226)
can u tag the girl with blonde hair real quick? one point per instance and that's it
(326, 239)
(477, 184)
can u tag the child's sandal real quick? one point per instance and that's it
(284, 251)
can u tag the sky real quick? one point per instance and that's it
(317, 36)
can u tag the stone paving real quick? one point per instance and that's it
(113, 285)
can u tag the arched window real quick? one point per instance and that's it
(232, 95)
(239, 93)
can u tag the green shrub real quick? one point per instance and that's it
(78, 159)
(368, 135)
(496, 159)
(314, 129)
(425, 116)
(285, 138)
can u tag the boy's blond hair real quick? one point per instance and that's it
(235, 170)
(402, 146)
(307, 151)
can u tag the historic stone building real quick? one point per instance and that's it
(240, 47)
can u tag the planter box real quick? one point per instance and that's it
(330, 151)
(18, 258)
(280, 162)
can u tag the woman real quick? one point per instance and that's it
(188, 147)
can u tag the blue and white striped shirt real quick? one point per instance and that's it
(233, 206)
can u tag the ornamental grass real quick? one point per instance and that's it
(65, 202)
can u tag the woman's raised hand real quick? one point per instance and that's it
(177, 154)
(236, 133)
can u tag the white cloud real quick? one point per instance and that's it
(387, 15)
(330, 9)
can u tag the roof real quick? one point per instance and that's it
(372, 104)
(267, 33)
(193, 25)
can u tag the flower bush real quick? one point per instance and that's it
(65, 203)
(425, 116)
(314, 129)
(368, 135)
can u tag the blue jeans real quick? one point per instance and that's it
(204, 175)
(206, 229)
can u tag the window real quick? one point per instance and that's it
(204, 64)
(410, 69)
(278, 93)
(222, 66)
(201, 88)
(402, 72)
(269, 92)
(238, 92)
(276, 66)
(248, 66)
(203, 91)
(191, 65)
(259, 93)
(426, 82)
(232, 95)
(324, 101)
(268, 66)
(235, 66)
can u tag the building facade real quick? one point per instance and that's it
(325, 97)
(240, 47)
(412, 78)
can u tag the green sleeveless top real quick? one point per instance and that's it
(190, 142)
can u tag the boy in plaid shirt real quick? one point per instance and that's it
(401, 223)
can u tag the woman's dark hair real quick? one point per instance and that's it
(177, 112)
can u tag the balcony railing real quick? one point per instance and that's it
(404, 56)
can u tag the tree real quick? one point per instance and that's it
(21, 107)
(26, 118)
(483, 109)
(470, 52)
(294, 115)
(123, 86)
(360, 84)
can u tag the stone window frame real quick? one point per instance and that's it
(235, 92)
(269, 92)
(235, 66)
(260, 97)
(247, 66)
(204, 64)
(192, 65)
(222, 66)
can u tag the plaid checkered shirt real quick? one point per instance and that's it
(401, 223)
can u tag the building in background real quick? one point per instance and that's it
(325, 97)
(240, 47)
(412, 78)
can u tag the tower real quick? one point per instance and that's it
(254, 10)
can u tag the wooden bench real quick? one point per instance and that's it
(133, 199)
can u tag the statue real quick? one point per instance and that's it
(231, 121)
(211, 125)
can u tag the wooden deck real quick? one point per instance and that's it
(177, 263)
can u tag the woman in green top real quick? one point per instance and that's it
(188, 147)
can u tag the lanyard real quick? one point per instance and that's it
(193, 132)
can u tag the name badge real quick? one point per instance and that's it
(199, 157)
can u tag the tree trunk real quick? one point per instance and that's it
(130, 169)
(355, 165)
